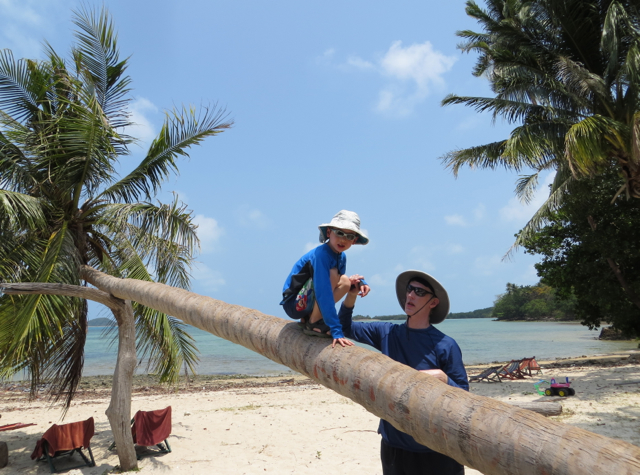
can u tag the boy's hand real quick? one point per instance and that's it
(343, 342)
(357, 287)
(364, 290)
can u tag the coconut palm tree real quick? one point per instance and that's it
(479, 432)
(568, 74)
(63, 129)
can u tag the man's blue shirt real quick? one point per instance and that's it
(427, 348)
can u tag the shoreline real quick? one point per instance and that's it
(291, 424)
(97, 386)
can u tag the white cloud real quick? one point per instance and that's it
(207, 278)
(455, 220)
(454, 248)
(209, 232)
(359, 63)
(22, 11)
(25, 23)
(252, 218)
(411, 73)
(420, 66)
(419, 63)
(519, 212)
(326, 57)
(459, 220)
(310, 245)
(142, 128)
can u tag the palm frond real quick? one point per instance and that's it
(541, 216)
(164, 342)
(40, 331)
(20, 212)
(162, 237)
(482, 156)
(89, 152)
(61, 133)
(15, 173)
(16, 96)
(512, 111)
(65, 359)
(589, 143)
(526, 187)
(97, 59)
(181, 130)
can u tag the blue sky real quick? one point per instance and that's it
(336, 106)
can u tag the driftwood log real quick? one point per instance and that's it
(545, 408)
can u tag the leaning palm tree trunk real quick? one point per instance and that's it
(479, 432)
(119, 410)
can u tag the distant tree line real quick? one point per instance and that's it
(101, 322)
(533, 302)
(481, 313)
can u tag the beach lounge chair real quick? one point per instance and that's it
(529, 367)
(151, 428)
(66, 439)
(511, 370)
(490, 374)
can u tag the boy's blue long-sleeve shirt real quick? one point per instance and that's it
(317, 264)
(427, 348)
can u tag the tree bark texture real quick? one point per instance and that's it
(545, 408)
(488, 435)
(119, 410)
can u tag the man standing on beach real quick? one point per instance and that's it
(418, 344)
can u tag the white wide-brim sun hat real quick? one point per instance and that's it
(439, 313)
(348, 220)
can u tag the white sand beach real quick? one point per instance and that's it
(293, 425)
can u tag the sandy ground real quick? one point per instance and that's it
(292, 425)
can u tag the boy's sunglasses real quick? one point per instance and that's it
(343, 235)
(419, 291)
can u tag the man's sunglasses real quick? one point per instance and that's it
(419, 291)
(343, 235)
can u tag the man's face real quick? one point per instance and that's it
(416, 303)
(341, 243)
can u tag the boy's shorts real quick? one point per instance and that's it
(301, 305)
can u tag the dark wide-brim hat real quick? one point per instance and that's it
(437, 314)
(348, 220)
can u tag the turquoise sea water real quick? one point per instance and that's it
(481, 340)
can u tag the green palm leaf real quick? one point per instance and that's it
(62, 206)
(567, 74)
(98, 61)
(16, 95)
(20, 211)
(181, 130)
